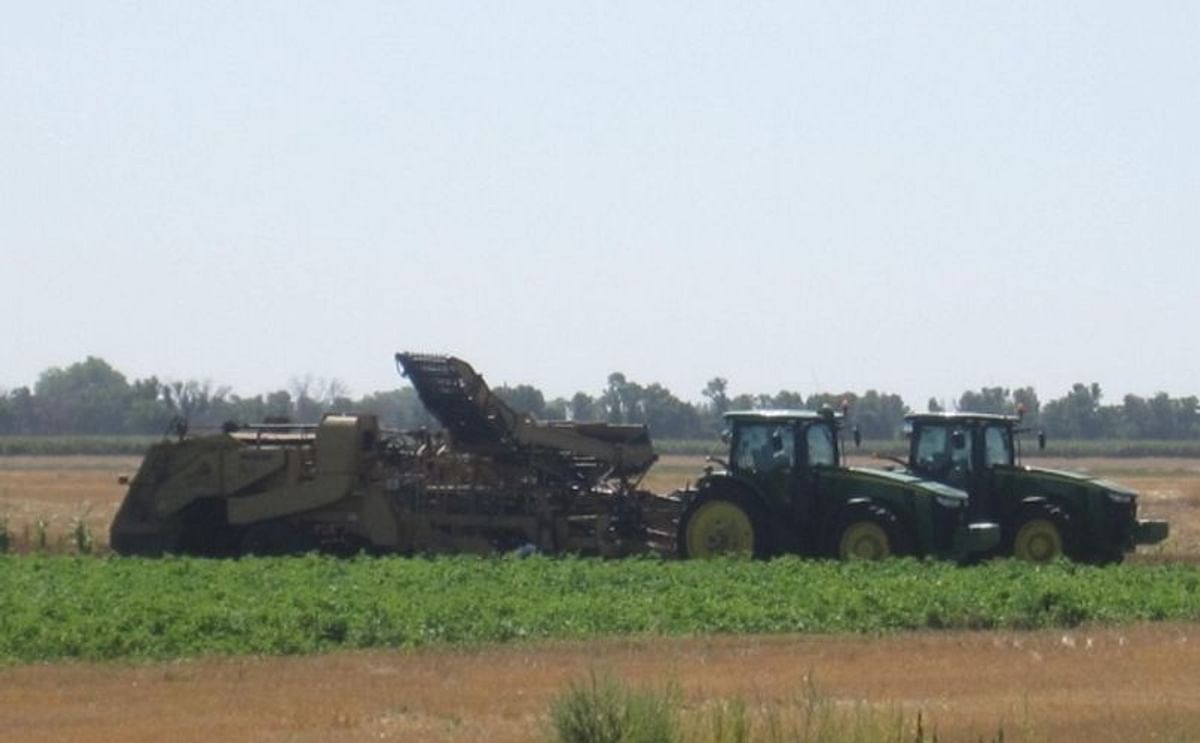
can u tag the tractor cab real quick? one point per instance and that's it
(762, 443)
(961, 450)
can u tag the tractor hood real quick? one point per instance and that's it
(900, 479)
(1062, 477)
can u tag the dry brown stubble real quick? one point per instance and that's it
(1115, 684)
(58, 491)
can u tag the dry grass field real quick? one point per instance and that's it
(1130, 683)
(1121, 684)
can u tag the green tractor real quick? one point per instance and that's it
(784, 489)
(1043, 514)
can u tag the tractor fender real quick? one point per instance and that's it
(727, 484)
(856, 503)
(871, 509)
(1040, 500)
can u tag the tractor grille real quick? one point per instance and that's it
(945, 523)
(1121, 519)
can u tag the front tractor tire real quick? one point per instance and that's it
(869, 532)
(1040, 533)
(722, 524)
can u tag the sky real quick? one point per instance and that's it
(920, 197)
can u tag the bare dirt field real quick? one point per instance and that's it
(1132, 683)
(1117, 684)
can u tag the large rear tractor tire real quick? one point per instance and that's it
(869, 532)
(1040, 533)
(723, 524)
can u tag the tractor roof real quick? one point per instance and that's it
(961, 416)
(776, 416)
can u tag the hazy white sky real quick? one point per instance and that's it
(920, 197)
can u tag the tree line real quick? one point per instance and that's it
(91, 397)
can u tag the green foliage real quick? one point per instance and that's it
(5, 537)
(75, 445)
(523, 398)
(76, 607)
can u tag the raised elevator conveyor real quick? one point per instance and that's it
(475, 417)
(457, 396)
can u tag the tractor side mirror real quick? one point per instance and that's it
(1041, 441)
(958, 440)
(857, 434)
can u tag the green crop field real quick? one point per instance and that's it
(75, 445)
(62, 607)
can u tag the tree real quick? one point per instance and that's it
(555, 410)
(1076, 415)
(523, 398)
(667, 415)
(620, 398)
(23, 410)
(787, 400)
(399, 409)
(86, 397)
(995, 400)
(583, 408)
(148, 411)
(715, 392)
(279, 405)
(1025, 398)
(879, 415)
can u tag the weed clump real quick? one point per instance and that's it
(602, 710)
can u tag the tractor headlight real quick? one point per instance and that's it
(946, 501)
(1123, 499)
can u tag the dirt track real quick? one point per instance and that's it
(1134, 683)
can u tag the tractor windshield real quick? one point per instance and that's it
(764, 447)
(821, 449)
(997, 446)
(943, 452)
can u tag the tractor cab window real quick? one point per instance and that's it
(960, 456)
(821, 451)
(765, 447)
(997, 446)
(933, 450)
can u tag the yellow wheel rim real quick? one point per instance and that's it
(864, 540)
(720, 527)
(1038, 540)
